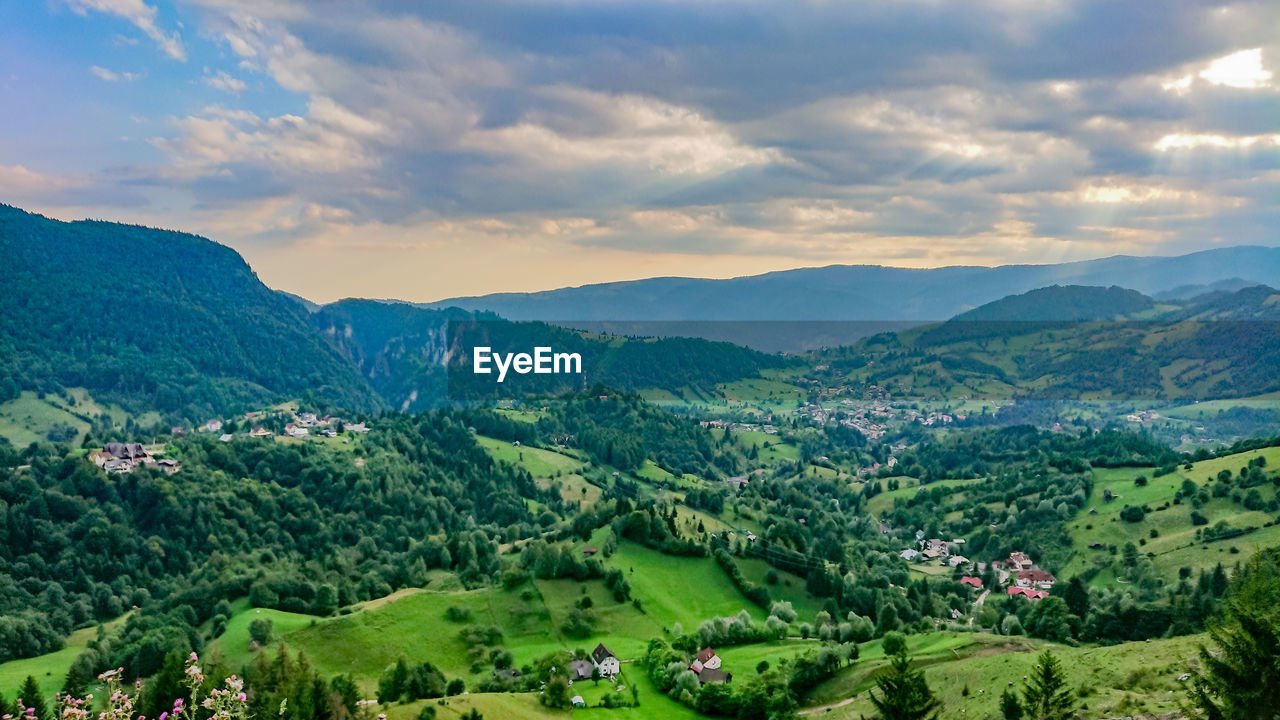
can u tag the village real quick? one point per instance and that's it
(1018, 574)
(125, 457)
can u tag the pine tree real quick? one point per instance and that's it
(1046, 695)
(904, 694)
(33, 699)
(1009, 705)
(1241, 677)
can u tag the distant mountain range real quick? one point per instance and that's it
(841, 303)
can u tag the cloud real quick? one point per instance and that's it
(224, 82)
(765, 134)
(143, 17)
(112, 76)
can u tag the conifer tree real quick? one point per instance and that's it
(904, 694)
(1240, 676)
(1046, 695)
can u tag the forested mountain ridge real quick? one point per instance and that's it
(154, 319)
(1078, 342)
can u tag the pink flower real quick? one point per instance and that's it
(164, 716)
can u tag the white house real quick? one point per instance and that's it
(608, 663)
(706, 660)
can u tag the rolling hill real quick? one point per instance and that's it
(1084, 343)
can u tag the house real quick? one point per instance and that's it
(738, 481)
(126, 451)
(577, 701)
(308, 419)
(971, 581)
(178, 431)
(588, 552)
(1027, 593)
(938, 547)
(957, 560)
(909, 555)
(580, 670)
(259, 431)
(295, 431)
(705, 660)
(608, 663)
(99, 457)
(169, 466)
(225, 437)
(1019, 561)
(357, 428)
(213, 426)
(1035, 578)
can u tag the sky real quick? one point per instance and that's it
(425, 150)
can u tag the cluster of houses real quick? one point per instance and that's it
(936, 550)
(766, 428)
(118, 458)
(1144, 416)
(602, 663)
(301, 426)
(1021, 575)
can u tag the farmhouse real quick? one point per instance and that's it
(1036, 578)
(1027, 593)
(738, 481)
(971, 581)
(604, 659)
(909, 555)
(1019, 561)
(957, 560)
(705, 660)
(212, 426)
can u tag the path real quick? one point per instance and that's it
(826, 708)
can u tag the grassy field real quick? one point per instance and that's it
(1120, 680)
(540, 463)
(909, 486)
(773, 396)
(790, 588)
(1209, 408)
(28, 418)
(771, 447)
(1174, 546)
(49, 670)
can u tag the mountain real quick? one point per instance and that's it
(1187, 292)
(1060, 303)
(1082, 342)
(418, 358)
(155, 320)
(843, 293)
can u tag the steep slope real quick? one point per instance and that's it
(418, 358)
(153, 319)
